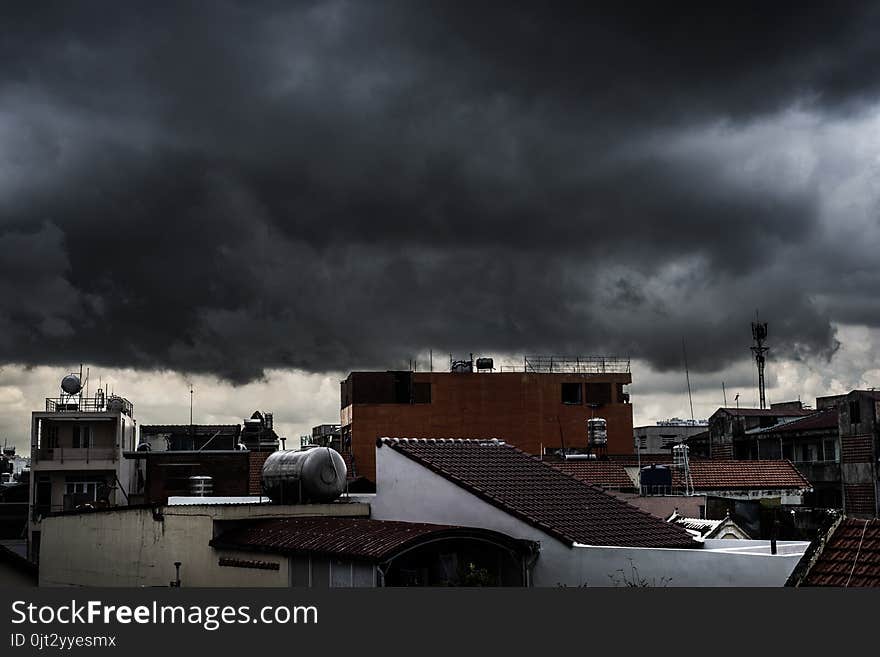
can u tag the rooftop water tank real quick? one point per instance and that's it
(201, 486)
(316, 474)
(597, 432)
(71, 384)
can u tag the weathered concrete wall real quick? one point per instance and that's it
(407, 491)
(132, 547)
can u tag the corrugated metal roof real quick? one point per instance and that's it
(542, 496)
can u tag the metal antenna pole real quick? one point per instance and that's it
(759, 333)
(688, 377)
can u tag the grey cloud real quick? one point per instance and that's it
(329, 185)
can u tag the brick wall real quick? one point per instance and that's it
(859, 499)
(523, 409)
(856, 449)
(255, 469)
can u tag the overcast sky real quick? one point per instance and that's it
(259, 197)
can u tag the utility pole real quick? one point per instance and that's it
(192, 436)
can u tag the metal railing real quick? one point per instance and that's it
(577, 364)
(89, 405)
(79, 454)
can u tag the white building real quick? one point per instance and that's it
(586, 537)
(77, 446)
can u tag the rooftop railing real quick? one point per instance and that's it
(89, 405)
(577, 364)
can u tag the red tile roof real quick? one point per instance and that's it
(706, 474)
(851, 557)
(607, 474)
(540, 495)
(357, 538)
(717, 474)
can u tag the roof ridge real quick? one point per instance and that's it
(394, 440)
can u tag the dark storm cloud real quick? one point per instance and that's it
(336, 185)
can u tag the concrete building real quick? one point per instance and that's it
(728, 428)
(812, 444)
(270, 545)
(585, 536)
(659, 438)
(77, 446)
(545, 406)
(858, 414)
(836, 446)
(140, 544)
(164, 474)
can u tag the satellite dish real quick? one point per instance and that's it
(71, 384)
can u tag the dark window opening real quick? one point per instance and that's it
(855, 412)
(599, 393)
(572, 393)
(421, 393)
(766, 421)
(402, 388)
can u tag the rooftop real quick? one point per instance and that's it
(765, 412)
(706, 474)
(546, 498)
(850, 557)
(816, 421)
(358, 538)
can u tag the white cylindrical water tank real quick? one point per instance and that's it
(309, 475)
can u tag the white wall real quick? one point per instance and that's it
(129, 547)
(407, 491)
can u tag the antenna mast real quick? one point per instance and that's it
(687, 377)
(759, 334)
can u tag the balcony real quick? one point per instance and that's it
(75, 454)
(819, 471)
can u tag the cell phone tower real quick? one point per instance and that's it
(759, 333)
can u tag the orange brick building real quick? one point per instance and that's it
(531, 410)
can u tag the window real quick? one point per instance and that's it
(572, 393)
(831, 450)
(421, 393)
(855, 412)
(50, 436)
(788, 451)
(87, 490)
(599, 393)
(808, 453)
(82, 437)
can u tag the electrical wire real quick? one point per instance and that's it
(855, 561)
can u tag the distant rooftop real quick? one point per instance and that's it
(706, 474)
